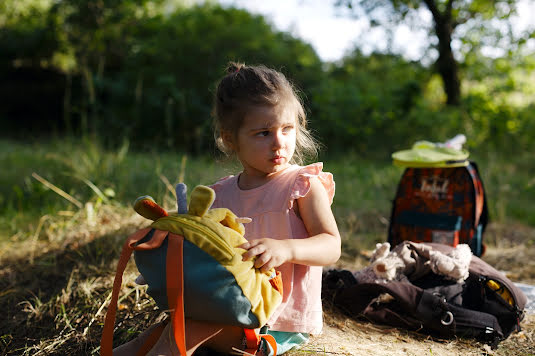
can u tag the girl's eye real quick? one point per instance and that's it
(288, 128)
(262, 133)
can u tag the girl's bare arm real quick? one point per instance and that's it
(322, 248)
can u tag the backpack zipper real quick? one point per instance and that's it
(514, 308)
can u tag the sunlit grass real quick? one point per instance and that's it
(95, 176)
(89, 174)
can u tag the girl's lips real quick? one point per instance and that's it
(277, 160)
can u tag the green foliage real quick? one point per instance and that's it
(174, 63)
(371, 99)
(477, 25)
(89, 173)
(25, 34)
(150, 74)
(365, 186)
(144, 72)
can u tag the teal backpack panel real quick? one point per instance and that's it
(204, 279)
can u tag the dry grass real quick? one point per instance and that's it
(55, 286)
(343, 336)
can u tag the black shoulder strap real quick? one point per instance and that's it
(390, 238)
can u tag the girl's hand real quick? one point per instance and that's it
(270, 253)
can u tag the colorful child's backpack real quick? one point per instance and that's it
(440, 198)
(194, 269)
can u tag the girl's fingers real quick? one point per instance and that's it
(253, 251)
(247, 245)
(262, 260)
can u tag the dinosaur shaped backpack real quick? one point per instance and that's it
(194, 269)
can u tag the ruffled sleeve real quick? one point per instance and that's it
(219, 188)
(301, 185)
(220, 182)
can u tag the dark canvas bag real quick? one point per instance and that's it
(487, 306)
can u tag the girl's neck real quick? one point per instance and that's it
(250, 181)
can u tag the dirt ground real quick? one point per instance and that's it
(343, 336)
(53, 295)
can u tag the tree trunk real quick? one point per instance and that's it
(446, 65)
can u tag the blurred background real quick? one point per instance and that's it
(144, 70)
(103, 98)
(102, 101)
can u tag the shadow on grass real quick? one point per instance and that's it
(56, 306)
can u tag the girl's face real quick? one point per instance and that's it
(265, 143)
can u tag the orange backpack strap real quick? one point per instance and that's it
(175, 289)
(106, 341)
(271, 340)
(253, 341)
(479, 193)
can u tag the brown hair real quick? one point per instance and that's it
(244, 87)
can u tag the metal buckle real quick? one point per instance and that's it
(447, 319)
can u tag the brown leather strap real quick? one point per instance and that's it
(175, 289)
(479, 195)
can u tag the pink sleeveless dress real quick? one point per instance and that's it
(270, 207)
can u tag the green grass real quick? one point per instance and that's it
(91, 174)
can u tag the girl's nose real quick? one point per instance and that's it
(278, 138)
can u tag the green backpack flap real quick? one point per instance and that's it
(193, 267)
(424, 154)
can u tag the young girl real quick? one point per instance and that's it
(260, 120)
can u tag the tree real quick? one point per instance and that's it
(488, 18)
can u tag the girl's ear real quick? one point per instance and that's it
(228, 140)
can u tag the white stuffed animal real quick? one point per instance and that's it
(454, 265)
(395, 264)
(388, 264)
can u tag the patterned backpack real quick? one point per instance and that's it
(440, 198)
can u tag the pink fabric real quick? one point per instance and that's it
(270, 207)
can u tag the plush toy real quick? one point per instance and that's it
(149, 209)
(453, 266)
(192, 262)
(201, 201)
(388, 264)
(403, 262)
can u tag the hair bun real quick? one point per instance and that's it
(234, 67)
